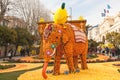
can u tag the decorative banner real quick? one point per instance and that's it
(104, 10)
(107, 11)
(103, 14)
(108, 6)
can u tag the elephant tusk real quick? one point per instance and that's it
(53, 52)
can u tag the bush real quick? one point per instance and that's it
(7, 66)
(91, 56)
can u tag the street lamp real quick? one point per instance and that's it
(70, 13)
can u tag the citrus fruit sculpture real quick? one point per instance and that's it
(63, 38)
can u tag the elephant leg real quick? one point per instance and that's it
(56, 70)
(75, 59)
(83, 61)
(67, 62)
(58, 56)
(68, 48)
(70, 64)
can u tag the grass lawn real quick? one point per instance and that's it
(15, 74)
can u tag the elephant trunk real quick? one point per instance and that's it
(44, 70)
(46, 64)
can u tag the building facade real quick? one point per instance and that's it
(93, 33)
(15, 22)
(12, 22)
(109, 24)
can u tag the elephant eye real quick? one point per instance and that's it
(56, 37)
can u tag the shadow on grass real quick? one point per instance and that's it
(15, 74)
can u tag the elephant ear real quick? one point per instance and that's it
(48, 30)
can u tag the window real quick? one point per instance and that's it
(1, 23)
(111, 25)
(4, 23)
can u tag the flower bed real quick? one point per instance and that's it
(96, 59)
(25, 60)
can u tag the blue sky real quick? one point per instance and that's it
(90, 9)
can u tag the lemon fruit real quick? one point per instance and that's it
(61, 15)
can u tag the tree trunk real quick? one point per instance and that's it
(16, 47)
(6, 48)
(1, 18)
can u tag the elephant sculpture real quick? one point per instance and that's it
(61, 39)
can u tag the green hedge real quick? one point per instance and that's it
(6, 66)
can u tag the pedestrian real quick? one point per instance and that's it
(113, 52)
(10, 53)
(22, 52)
(118, 51)
(103, 50)
(99, 49)
(28, 51)
(107, 50)
(0, 53)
